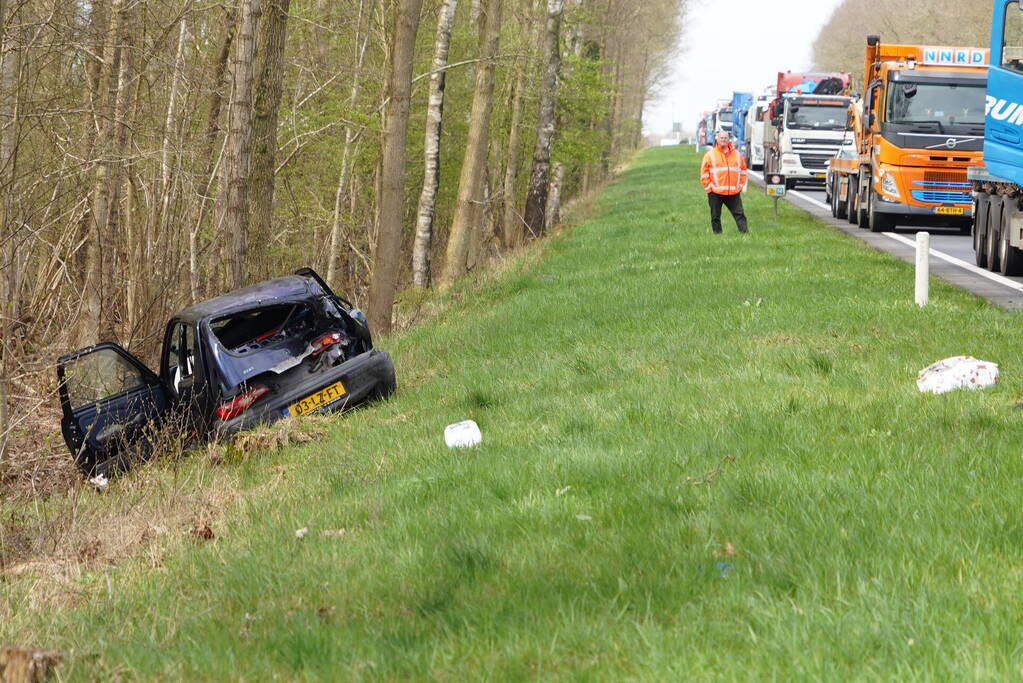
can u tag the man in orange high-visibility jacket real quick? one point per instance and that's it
(723, 174)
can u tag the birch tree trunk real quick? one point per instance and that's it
(536, 197)
(391, 198)
(553, 211)
(421, 266)
(239, 138)
(470, 182)
(269, 85)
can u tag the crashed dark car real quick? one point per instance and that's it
(279, 348)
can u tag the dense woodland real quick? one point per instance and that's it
(839, 45)
(158, 152)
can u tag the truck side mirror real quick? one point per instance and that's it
(871, 119)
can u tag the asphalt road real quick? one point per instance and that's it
(951, 253)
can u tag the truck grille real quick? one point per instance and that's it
(814, 160)
(945, 176)
(937, 197)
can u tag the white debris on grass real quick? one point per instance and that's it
(462, 434)
(300, 533)
(957, 372)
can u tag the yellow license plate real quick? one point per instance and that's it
(820, 175)
(949, 210)
(317, 400)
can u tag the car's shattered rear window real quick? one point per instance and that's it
(258, 340)
(250, 330)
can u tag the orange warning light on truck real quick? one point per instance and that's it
(915, 130)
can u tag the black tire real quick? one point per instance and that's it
(980, 231)
(879, 222)
(841, 209)
(994, 225)
(850, 200)
(832, 197)
(1010, 260)
(862, 205)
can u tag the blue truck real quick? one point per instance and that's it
(742, 102)
(998, 184)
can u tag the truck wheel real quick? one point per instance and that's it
(829, 193)
(850, 200)
(863, 207)
(840, 206)
(879, 222)
(1010, 259)
(994, 224)
(980, 231)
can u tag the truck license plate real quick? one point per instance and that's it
(949, 210)
(317, 400)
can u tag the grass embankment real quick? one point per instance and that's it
(704, 457)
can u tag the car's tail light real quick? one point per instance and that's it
(240, 403)
(320, 344)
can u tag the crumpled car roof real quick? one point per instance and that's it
(281, 289)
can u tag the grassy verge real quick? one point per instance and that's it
(704, 456)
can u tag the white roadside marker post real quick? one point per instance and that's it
(923, 250)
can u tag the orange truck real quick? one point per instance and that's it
(917, 128)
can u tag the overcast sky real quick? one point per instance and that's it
(767, 37)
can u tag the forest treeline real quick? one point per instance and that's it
(839, 45)
(157, 152)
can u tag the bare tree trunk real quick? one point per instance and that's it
(94, 322)
(477, 142)
(391, 198)
(239, 134)
(269, 85)
(10, 278)
(511, 223)
(431, 149)
(216, 101)
(344, 177)
(536, 197)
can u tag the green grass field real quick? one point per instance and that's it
(704, 456)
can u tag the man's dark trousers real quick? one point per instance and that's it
(734, 204)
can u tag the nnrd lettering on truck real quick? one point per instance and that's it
(1003, 110)
(960, 56)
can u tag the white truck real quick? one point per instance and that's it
(804, 132)
(755, 125)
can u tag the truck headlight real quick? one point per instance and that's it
(888, 185)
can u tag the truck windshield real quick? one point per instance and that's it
(935, 104)
(818, 117)
(725, 116)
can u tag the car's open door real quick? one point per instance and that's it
(110, 400)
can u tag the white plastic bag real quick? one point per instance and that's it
(957, 372)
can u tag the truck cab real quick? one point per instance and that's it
(805, 132)
(922, 125)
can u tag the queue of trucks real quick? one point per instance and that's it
(934, 139)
